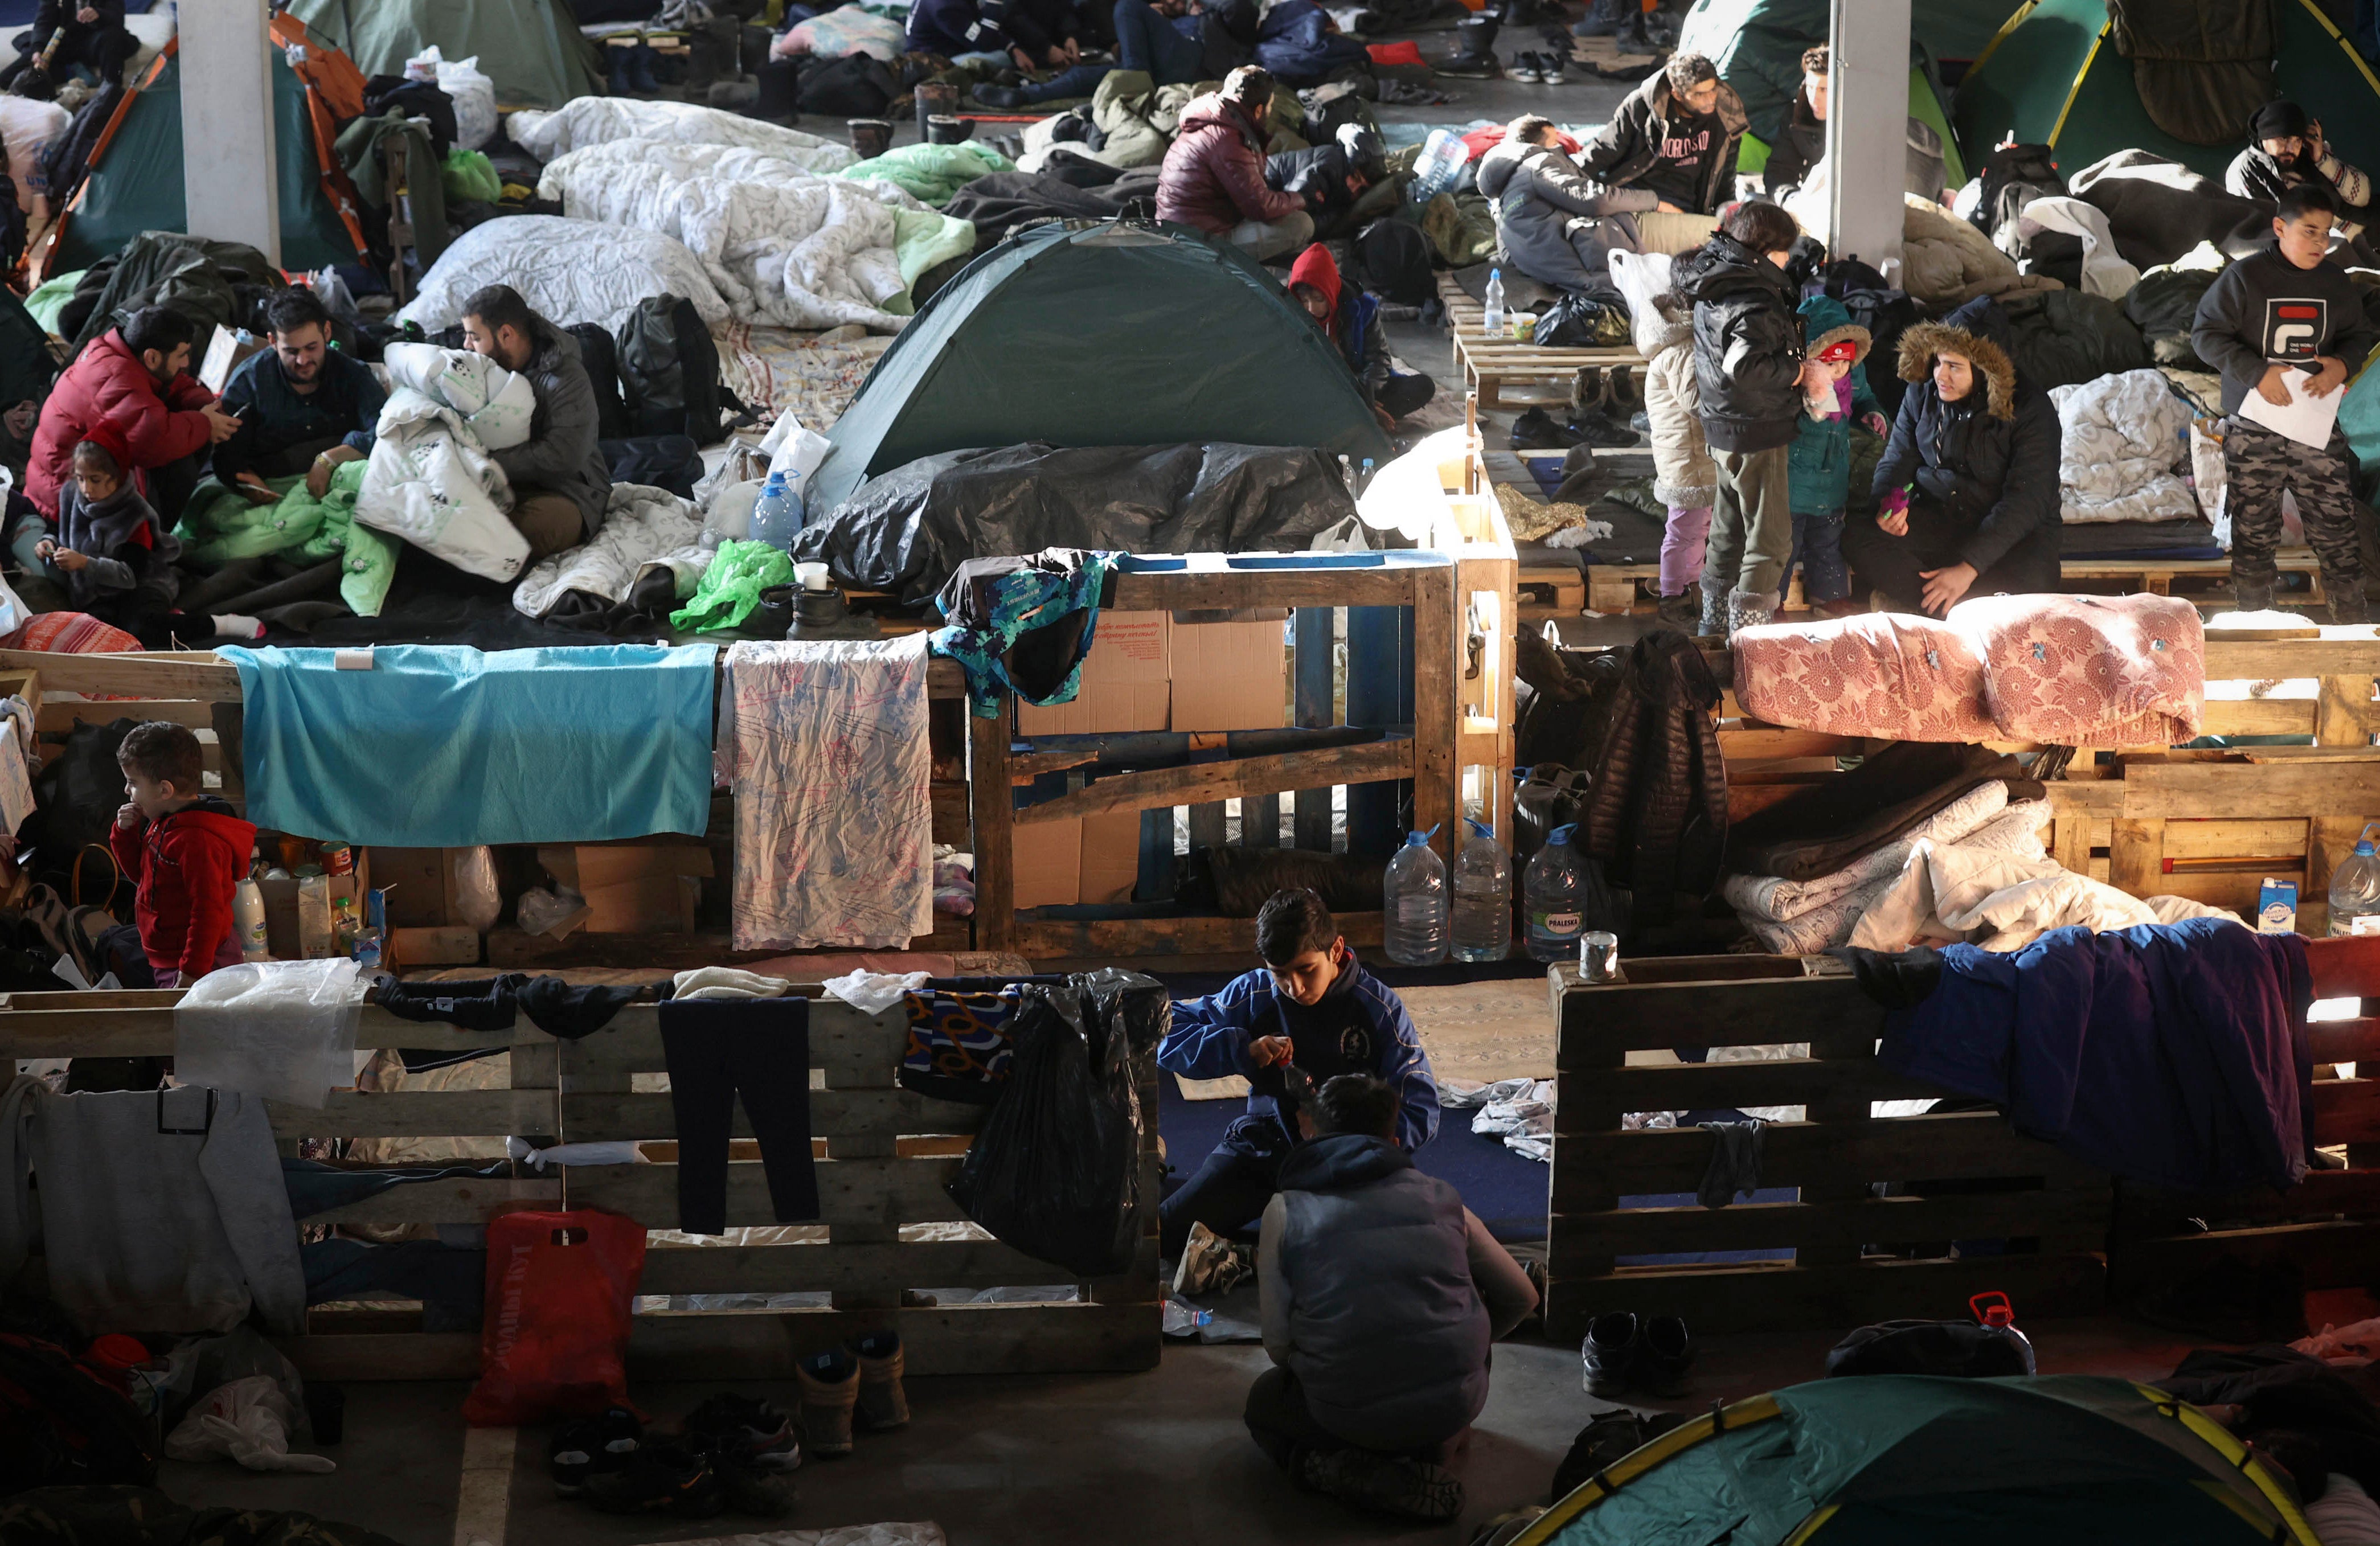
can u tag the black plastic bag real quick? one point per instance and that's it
(1056, 1170)
(1582, 320)
(1133, 1003)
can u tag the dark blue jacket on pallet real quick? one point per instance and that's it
(1295, 43)
(2171, 1054)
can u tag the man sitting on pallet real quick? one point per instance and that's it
(1309, 1015)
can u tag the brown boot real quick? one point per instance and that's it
(829, 1387)
(882, 1401)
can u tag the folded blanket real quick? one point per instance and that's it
(430, 480)
(2002, 901)
(2015, 832)
(1819, 829)
(1777, 899)
(1903, 677)
(644, 529)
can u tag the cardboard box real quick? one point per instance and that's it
(592, 866)
(1110, 864)
(281, 910)
(1124, 681)
(224, 353)
(1229, 676)
(420, 882)
(441, 947)
(649, 905)
(1049, 864)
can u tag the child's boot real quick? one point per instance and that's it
(883, 1403)
(829, 1387)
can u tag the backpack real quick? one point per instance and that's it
(601, 358)
(669, 371)
(2014, 176)
(671, 462)
(76, 798)
(857, 86)
(1391, 260)
(62, 1426)
(1989, 1348)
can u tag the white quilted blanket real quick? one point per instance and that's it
(730, 164)
(569, 270)
(593, 120)
(643, 527)
(430, 480)
(804, 252)
(2120, 439)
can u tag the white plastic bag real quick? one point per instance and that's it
(792, 449)
(284, 1030)
(478, 901)
(248, 1419)
(474, 94)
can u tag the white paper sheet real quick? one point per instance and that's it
(2306, 419)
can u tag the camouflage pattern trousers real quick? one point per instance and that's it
(2258, 463)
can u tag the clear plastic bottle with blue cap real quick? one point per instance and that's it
(1413, 928)
(2355, 888)
(1482, 898)
(1554, 889)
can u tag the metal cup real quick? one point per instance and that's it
(1598, 956)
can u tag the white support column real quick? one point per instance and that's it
(1868, 132)
(228, 173)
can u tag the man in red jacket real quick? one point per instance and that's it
(185, 851)
(1213, 176)
(135, 379)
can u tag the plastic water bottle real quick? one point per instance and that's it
(2355, 890)
(777, 519)
(1364, 478)
(1482, 898)
(1554, 889)
(1494, 301)
(1439, 163)
(1413, 929)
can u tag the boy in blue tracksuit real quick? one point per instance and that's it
(1312, 1013)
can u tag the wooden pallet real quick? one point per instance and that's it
(1857, 1256)
(1487, 363)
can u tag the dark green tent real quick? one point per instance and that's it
(1113, 333)
(135, 183)
(2056, 76)
(1893, 1459)
(531, 49)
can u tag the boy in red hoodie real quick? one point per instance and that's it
(184, 849)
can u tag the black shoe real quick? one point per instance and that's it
(593, 1446)
(1613, 1344)
(1538, 430)
(640, 70)
(660, 1478)
(2348, 604)
(1550, 69)
(742, 1428)
(1001, 96)
(1667, 1352)
(1597, 430)
(1603, 17)
(1524, 69)
(617, 78)
(1470, 67)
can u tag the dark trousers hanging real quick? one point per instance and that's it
(759, 1048)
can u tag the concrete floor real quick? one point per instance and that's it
(1156, 1459)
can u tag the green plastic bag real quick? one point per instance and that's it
(470, 177)
(731, 587)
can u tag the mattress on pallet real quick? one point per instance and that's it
(2170, 541)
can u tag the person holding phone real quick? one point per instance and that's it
(134, 380)
(304, 406)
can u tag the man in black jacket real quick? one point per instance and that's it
(303, 406)
(1750, 373)
(1554, 224)
(1673, 143)
(1803, 144)
(89, 33)
(2283, 318)
(561, 484)
(1967, 488)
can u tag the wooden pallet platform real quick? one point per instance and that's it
(1487, 363)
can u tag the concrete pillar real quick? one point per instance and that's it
(1867, 127)
(228, 172)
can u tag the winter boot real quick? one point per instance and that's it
(1475, 51)
(829, 1387)
(1621, 398)
(1714, 619)
(618, 56)
(640, 70)
(2251, 594)
(2347, 601)
(882, 1401)
(1589, 392)
(1680, 612)
(1750, 608)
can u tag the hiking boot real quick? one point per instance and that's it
(1524, 69)
(1613, 1341)
(1006, 98)
(1605, 17)
(883, 1401)
(829, 1387)
(1667, 1354)
(660, 1479)
(2348, 604)
(1588, 390)
(592, 1446)
(1680, 612)
(1394, 1484)
(743, 1429)
(1537, 431)
(1750, 608)
(1621, 398)
(2251, 594)
(1209, 1263)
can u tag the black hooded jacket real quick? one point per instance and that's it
(1747, 346)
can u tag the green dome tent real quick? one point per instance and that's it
(1893, 1459)
(2057, 76)
(1105, 334)
(531, 49)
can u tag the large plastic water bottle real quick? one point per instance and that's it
(1413, 926)
(1493, 299)
(2355, 890)
(777, 518)
(1438, 166)
(1482, 898)
(1554, 890)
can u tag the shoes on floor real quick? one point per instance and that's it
(1602, 431)
(1524, 69)
(745, 1429)
(1667, 1354)
(1393, 1484)
(592, 1446)
(1004, 97)
(1610, 1351)
(1682, 611)
(1551, 68)
(1605, 17)
(1539, 431)
(1623, 397)
(664, 1478)
(1210, 1265)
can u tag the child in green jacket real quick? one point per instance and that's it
(1820, 467)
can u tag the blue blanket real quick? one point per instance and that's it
(441, 746)
(2172, 1053)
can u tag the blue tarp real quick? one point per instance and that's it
(442, 746)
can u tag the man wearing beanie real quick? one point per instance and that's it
(2284, 150)
(1671, 145)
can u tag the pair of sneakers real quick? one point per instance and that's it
(731, 1453)
(1626, 1353)
(1534, 68)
